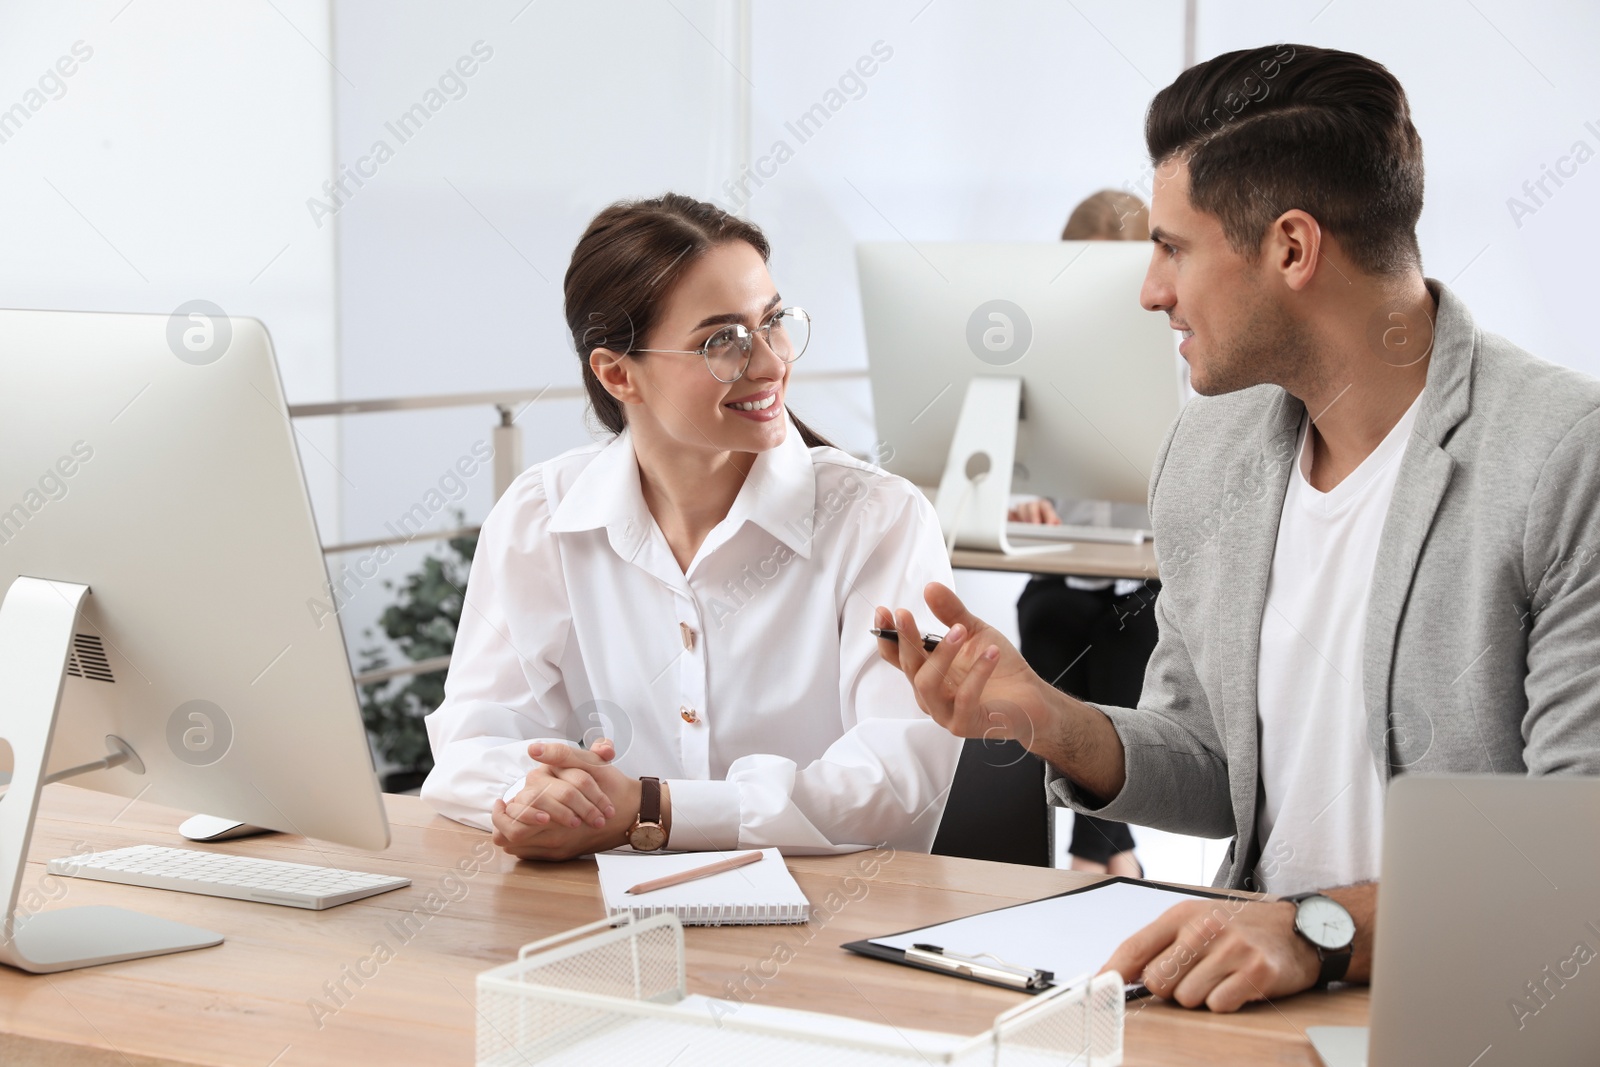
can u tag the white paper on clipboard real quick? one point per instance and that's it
(1070, 935)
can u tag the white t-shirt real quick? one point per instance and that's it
(1321, 811)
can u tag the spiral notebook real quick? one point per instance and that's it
(757, 893)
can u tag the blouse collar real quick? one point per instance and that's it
(778, 495)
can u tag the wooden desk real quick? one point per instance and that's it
(253, 1000)
(1089, 559)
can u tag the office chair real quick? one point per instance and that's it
(997, 808)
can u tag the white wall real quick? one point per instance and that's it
(171, 166)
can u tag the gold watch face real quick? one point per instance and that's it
(647, 837)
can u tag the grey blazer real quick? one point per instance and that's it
(1483, 625)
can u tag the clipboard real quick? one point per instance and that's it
(1051, 904)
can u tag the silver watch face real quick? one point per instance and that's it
(1324, 922)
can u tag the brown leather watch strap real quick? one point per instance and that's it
(650, 800)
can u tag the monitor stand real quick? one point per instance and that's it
(37, 620)
(1340, 1046)
(975, 492)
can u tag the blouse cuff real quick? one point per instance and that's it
(705, 815)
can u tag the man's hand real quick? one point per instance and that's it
(574, 802)
(1220, 953)
(975, 684)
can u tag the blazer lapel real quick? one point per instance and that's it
(1253, 492)
(1425, 472)
(1424, 475)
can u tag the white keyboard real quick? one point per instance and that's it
(217, 874)
(1038, 531)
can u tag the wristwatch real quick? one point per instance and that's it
(1325, 923)
(648, 834)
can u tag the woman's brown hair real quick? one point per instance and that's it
(625, 265)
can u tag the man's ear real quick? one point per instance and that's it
(616, 374)
(1294, 247)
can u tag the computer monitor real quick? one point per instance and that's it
(166, 603)
(1033, 362)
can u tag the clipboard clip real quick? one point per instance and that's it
(985, 966)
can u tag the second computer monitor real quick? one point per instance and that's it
(1100, 377)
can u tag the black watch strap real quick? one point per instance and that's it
(1334, 964)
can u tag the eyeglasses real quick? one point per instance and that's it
(727, 351)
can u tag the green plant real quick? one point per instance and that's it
(422, 624)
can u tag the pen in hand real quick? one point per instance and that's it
(929, 641)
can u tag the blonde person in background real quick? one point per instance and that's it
(697, 588)
(1091, 637)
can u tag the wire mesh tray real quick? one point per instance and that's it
(601, 994)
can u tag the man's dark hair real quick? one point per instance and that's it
(1266, 130)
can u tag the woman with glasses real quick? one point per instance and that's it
(665, 637)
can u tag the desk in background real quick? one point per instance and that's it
(291, 988)
(1088, 559)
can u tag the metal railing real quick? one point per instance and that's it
(507, 444)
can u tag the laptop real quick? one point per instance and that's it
(1488, 936)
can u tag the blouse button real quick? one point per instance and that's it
(688, 713)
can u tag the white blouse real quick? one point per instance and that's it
(749, 682)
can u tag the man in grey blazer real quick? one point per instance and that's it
(1377, 530)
